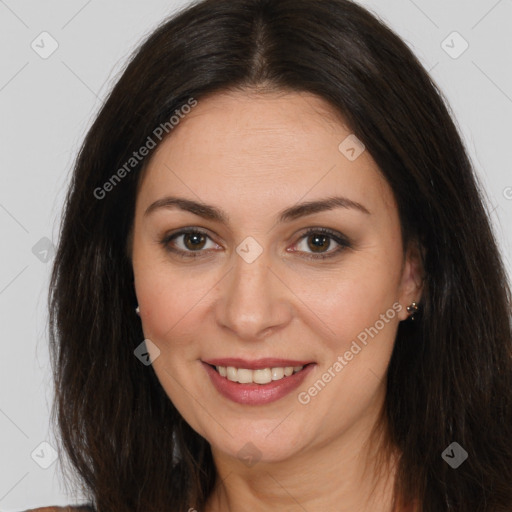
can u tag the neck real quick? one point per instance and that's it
(355, 472)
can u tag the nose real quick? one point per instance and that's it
(254, 302)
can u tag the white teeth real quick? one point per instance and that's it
(244, 376)
(288, 371)
(277, 373)
(261, 376)
(232, 373)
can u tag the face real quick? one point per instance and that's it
(253, 269)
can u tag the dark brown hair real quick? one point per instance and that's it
(450, 375)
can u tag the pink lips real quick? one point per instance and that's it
(256, 394)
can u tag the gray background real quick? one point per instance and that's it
(46, 106)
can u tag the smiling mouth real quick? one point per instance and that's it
(260, 376)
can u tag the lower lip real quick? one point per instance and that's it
(256, 394)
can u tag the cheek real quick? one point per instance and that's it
(165, 294)
(350, 300)
(361, 312)
(167, 301)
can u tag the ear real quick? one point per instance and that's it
(411, 284)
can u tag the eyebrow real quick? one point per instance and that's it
(294, 212)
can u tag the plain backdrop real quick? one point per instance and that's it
(47, 102)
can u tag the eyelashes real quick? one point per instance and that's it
(197, 236)
(325, 234)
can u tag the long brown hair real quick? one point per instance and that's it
(450, 375)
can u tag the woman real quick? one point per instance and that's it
(275, 199)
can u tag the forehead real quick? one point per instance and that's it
(271, 149)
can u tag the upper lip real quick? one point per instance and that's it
(256, 364)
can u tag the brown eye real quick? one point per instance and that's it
(318, 242)
(315, 244)
(194, 241)
(188, 243)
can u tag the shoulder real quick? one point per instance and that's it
(61, 509)
(46, 509)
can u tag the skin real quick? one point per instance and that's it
(254, 155)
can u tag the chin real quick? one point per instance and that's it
(259, 445)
